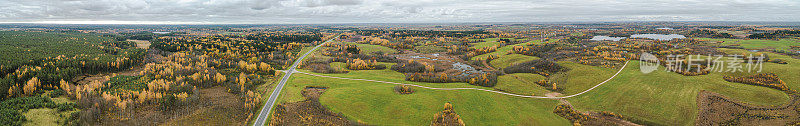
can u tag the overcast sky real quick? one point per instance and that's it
(392, 11)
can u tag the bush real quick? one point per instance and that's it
(12, 109)
(403, 89)
(433, 78)
(56, 93)
(412, 66)
(540, 66)
(358, 64)
(322, 68)
(485, 79)
(11, 117)
(66, 107)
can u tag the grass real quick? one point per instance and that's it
(659, 97)
(782, 44)
(787, 72)
(502, 51)
(508, 60)
(490, 42)
(429, 49)
(369, 49)
(41, 117)
(377, 104)
(525, 85)
(581, 77)
(667, 98)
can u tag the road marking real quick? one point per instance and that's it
(262, 117)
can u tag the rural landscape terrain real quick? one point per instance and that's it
(612, 73)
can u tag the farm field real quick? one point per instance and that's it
(783, 44)
(529, 74)
(666, 98)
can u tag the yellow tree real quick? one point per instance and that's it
(30, 86)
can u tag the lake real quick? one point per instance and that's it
(662, 37)
(602, 38)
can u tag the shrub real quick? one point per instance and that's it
(358, 64)
(432, 78)
(412, 66)
(322, 68)
(403, 89)
(540, 66)
(56, 93)
(762, 79)
(485, 79)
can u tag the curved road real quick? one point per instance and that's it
(262, 117)
(504, 93)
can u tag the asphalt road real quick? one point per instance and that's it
(262, 117)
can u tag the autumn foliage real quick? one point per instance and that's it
(448, 117)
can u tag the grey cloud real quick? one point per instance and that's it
(344, 11)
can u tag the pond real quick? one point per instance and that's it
(664, 28)
(466, 69)
(601, 38)
(662, 37)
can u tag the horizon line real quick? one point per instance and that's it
(241, 23)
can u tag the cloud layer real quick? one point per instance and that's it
(395, 11)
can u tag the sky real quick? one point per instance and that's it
(389, 11)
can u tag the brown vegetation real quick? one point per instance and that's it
(448, 117)
(716, 109)
(307, 112)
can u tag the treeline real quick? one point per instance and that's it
(170, 84)
(416, 71)
(708, 34)
(285, 37)
(775, 35)
(35, 48)
(12, 109)
(431, 33)
(762, 79)
(279, 53)
(541, 66)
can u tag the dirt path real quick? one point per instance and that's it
(492, 91)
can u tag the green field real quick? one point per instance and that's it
(782, 44)
(663, 98)
(521, 83)
(369, 49)
(581, 77)
(377, 104)
(508, 60)
(490, 42)
(667, 98)
(502, 51)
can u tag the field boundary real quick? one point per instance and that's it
(492, 91)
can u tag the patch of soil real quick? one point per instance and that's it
(589, 118)
(143, 44)
(609, 119)
(307, 112)
(214, 106)
(716, 109)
